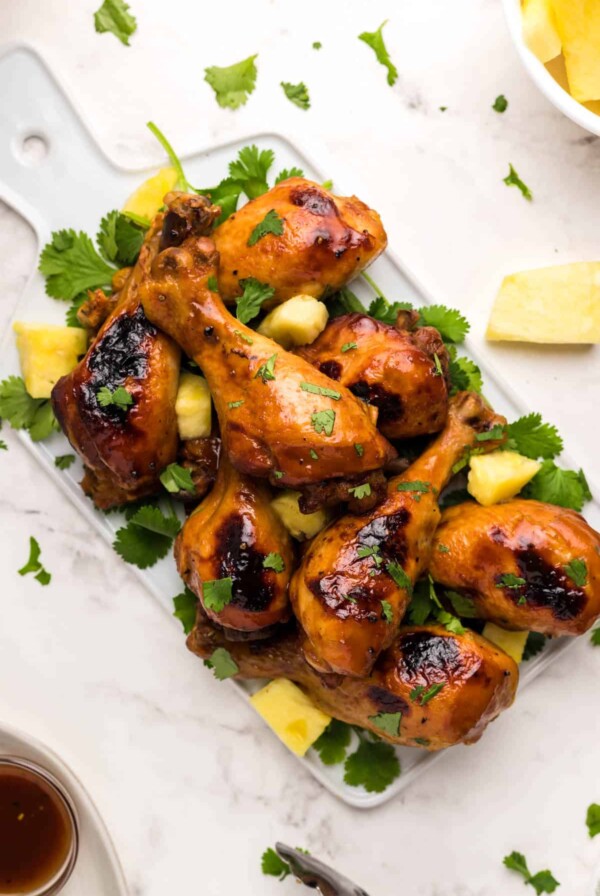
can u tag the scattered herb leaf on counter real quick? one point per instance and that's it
(317, 45)
(222, 664)
(217, 593)
(147, 537)
(388, 722)
(186, 605)
(323, 421)
(250, 170)
(266, 371)
(553, 485)
(592, 819)
(534, 644)
(374, 39)
(577, 571)
(120, 238)
(3, 445)
(250, 303)
(512, 179)
(297, 94)
(274, 561)
(271, 223)
(321, 390)
(34, 565)
(22, 411)
(542, 882)
(119, 397)
(289, 172)
(595, 637)
(333, 743)
(71, 265)
(64, 461)
(273, 865)
(373, 766)
(114, 16)
(232, 84)
(360, 491)
(500, 104)
(177, 479)
(533, 438)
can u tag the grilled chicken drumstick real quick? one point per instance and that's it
(279, 417)
(477, 680)
(235, 534)
(524, 564)
(399, 370)
(352, 587)
(325, 241)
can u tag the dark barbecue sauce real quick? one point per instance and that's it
(35, 831)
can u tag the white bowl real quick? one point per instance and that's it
(542, 77)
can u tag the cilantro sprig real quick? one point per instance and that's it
(542, 882)
(176, 478)
(374, 39)
(22, 411)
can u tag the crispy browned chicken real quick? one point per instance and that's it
(352, 587)
(235, 534)
(326, 240)
(279, 417)
(393, 368)
(524, 564)
(471, 679)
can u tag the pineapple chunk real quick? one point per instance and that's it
(539, 29)
(47, 352)
(149, 196)
(578, 25)
(559, 304)
(193, 407)
(295, 322)
(500, 475)
(291, 714)
(300, 525)
(512, 643)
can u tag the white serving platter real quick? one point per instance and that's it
(74, 185)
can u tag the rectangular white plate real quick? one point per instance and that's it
(74, 186)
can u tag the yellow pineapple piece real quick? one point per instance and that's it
(500, 475)
(295, 322)
(149, 196)
(559, 304)
(46, 353)
(300, 525)
(291, 714)
(539, 29)
(512, 643)
(578, 26)
(193, 407)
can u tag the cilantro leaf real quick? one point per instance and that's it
(424, 696)
(359, 449)
(271, 223)
(535, 644)
(323, 421)
(266, 371)
(509, 580)
(24, 412)
(44, 422)
(186, 605)
(177, 479)
(333, 743)
(366, 550)
(343, 301)
(360, 491)
(274, 561)
(120, 239)
(421, 604)
(388, 722)
(462, 606)
(222, 663)
(226, 195)
(553, 485)
(71, 265)
(297, 94)
(373, 766)
(217, 593)
(385, 311)
(273, 865)
(374, 39)
(450, 622)
(114, 16)
(531, 437)
(349, 346)
(595, 637)
(592, 819)
(64, 461)
(317, 45)
(289, 172)
(465, 375)
(401, 579)
(542, 882)
(34, 565)
(147, 536)
(516, 862)
(250, 170)
(577, 571)
(119, 397)
(500, 104)
(71, 318)
(250, 303)
(512, 179)
(232, 84)
(388, 612)
(451, 324)
(321, 390)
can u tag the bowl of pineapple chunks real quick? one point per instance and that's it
(559, 44)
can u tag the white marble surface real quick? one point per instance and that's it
(192, 786)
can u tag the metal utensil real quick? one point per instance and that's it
(316, 874)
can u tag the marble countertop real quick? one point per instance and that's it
(191, 784)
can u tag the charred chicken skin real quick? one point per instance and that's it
(477, 681)
(235, 534)
(326, 240)
(524, 564)
(279, 417)
(393, 368)
(353, 585)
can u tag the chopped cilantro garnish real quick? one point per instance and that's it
(22, 411)
(271, 223)
(417, 487)
(388, 722)
(595, 637)
(114, 16)
(64, 461)
(186, 605)
(464, 374)
(359, 449)
(348, 346)
(235, 404)
(297, 94)
(177, 479)
(512, 179)
(373, 766)
(344, 301)
(266, 371)
(222, 663)
(119, 397)
(553, 485)
(323, 421)
(332, 744)
(509, 580)
(500, 104)
(250, 303)
(244, 337)
(422, 696)
(313, 454)
(443, 549)
(374, 39)
(401, 579)
(317, 45)
(531, 437)
(278, 474)
(321, 390)
(217, 593)
(387, 313)
(274, 561)
(388, 612)
(592, 819)
(374, 551)
(496, 432)
(213, 283)
(34, 565)
(232, 84)
(462, 606)
(71, 318)
(542, 882)
(577, 571)
(360, 491)
(182, 183)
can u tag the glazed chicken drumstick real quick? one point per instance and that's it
(524, 565)
(353, 585)
(235, 535)
(474, 681)
(325, 241)
(279, 417)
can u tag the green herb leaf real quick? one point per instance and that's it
(271, 864)
(348, 346)
(333, 743)
(118, 397)
(421, 696)
(388, 612)
(321, 390)
(222, 663)
(490, 435)
(553, 485)
(235, 404)
(182, 183)
(216, 594)
(297, 94)
(244, 337)
(120, 239)
(534, 644)
(274, 561)
(500, 104)
(226, 195)
(462, 606)
(271, 223)
(266, 371)
(250, 170)
(385, 311)
(592, 819)
(213, 283)
(71, 318)
(232, 84)
(250, 303)
(114, 16)
(360, 491)
(343, 301)
(186, 605)
(417, 487)
(374, 551)
(542, 882)
(317, 45)
(313, 454)
(531, 437)
(71, 265)
(289, 172)
(147, 537)
(374, 39)
(577, 571)
(388, 722)
(465, 375)
(450, 622)
(422, 602)
(323, 421)
(512, 179)
(516, 862)
(373, 766)
(450, 323)
(509, 580)
(595, 637)
(443, 549)
(34, 565)
(401, 579)
(64, 461)
(359, 449)
(22, 411)
(177, 479)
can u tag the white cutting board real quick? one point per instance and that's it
(74, 186)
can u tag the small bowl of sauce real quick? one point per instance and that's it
(39, 837)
